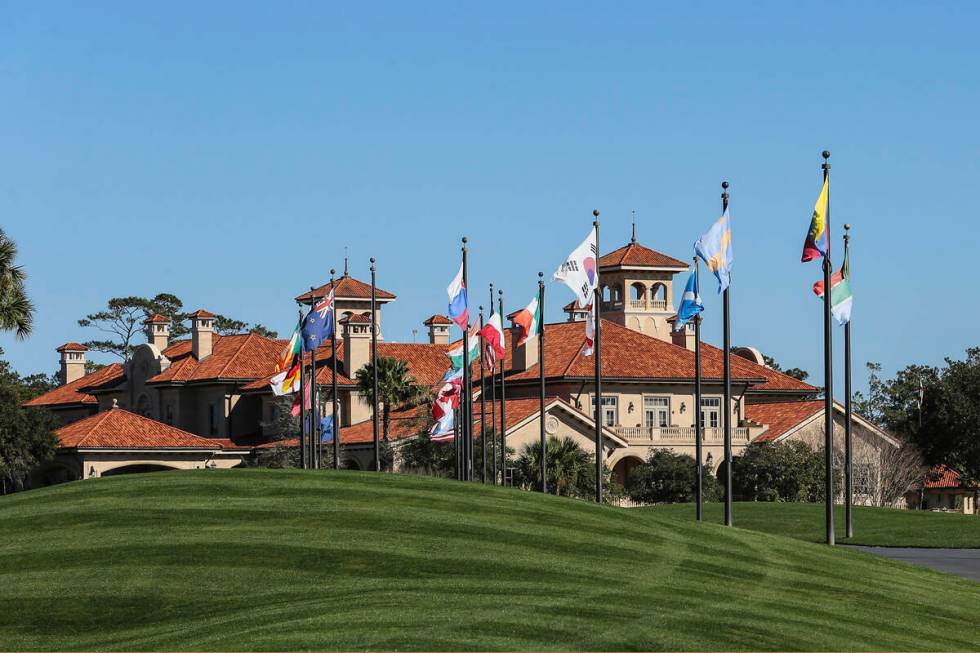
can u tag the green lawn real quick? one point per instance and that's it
(279, 560)
(872, 526)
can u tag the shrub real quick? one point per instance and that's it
(668, 477)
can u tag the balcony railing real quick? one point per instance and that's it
(678, 434)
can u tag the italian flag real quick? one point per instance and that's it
(840, 292)
(456, 353)
(528, 320)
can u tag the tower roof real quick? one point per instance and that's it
(346, 287)
(71, 346)
(437, 319)
(156, 318)
(202, 313)
(634, 255)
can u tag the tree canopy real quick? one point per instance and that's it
(16, 309)
(27, 436)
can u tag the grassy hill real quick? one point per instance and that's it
(272, 560)
(872, 526)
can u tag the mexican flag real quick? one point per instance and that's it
(473, 341)
(528, 320)
(840, 292)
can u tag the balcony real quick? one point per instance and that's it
(669, 435)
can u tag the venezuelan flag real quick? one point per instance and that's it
(816, 238)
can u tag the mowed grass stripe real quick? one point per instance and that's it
(290, 560)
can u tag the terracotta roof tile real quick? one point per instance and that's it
(239, 357)
(357, 318)
(437, 319)
(775, 381)
(77, 392)
(156, 318)
(636, 255)
(346, 287)
(781, 416)
(942, 477)
(121, 429)
(201, 313)
(72, 346)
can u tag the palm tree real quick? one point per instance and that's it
(16, 310)
(396, 388)
(571, 469)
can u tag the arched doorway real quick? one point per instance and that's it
(136, 469)
(622, 470)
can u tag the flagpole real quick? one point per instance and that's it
(493, 405)
(828, 362)
(698, 425)
(314, 405)
(302, 397)
(848, 472)
(727, 411)
(598, 366)
(467, 468)
(544, 441)
(483, 410)
(503, 403)
(374, 367)
(333, 382)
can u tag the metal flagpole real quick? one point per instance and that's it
(314, 412)
(828, 362)
(483, 411)
(503, 404)
(493, 406)
(598, 366)
(698, 422)
(848, 472)
(333, 382)
(727, 408)
(544, 441)
(374, 367)
(302, 397)
(467, 430)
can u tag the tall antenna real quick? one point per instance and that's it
(633, 239)
(346, 266)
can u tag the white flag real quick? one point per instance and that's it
(589, 344)
(580, 270)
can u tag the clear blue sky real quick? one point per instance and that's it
(228, 152)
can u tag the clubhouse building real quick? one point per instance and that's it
(205, 401)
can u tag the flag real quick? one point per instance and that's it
(528, 320)
(447, 399)
(326, 429)
(294, 411)
(589, 343)
(816, 242)
(287, 381)
(459, 311)
(690, 302)
(493, 336)
(840, 292)
(443, 430)
(456, 353)
(292, 350)
(715, 249)
(317, 326)
(579, 271)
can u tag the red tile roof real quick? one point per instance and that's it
(573, 306)
(77, 392)
(156, 318)
(121, 429)
(437, 319)
(239, 357)
(404, 424)
(201, 313)
(942, 477)
(346, 287)
(636, 255)
(775, 381)
(627, 354)
(781, 416)
(358, 318)
(72, 346)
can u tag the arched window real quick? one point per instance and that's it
(658, 296)
(639, 295)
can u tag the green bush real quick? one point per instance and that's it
(783, 471)
(668, 477)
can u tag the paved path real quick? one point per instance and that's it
(964, 563)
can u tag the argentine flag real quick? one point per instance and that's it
(690, 302)
(715, 249)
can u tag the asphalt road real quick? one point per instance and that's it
(964, 563)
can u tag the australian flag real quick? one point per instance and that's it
(318, 324)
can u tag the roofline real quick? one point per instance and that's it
(838, 407)
(644, 268)
(638, 379)
(142, 449)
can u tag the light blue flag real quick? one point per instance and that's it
(715, 249)
(326, 429)
(690, 302)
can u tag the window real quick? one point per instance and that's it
(610, 410)
(656, 412)
(711, 412)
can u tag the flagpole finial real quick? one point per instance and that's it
(465, 240)
(825, 154)
(826, 159)
(332, 272)
(633, 239)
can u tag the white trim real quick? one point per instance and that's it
(839, 409)
(573, 413)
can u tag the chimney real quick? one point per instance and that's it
(684, 337)
(72, 362)
(438, 329)
(526, 356)
(357, 342)
(158, 331)
(202, 330)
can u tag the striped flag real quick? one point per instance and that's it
(816, 242)
(493, 337)
(840, 292)
(715, 249)
(528, 320)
